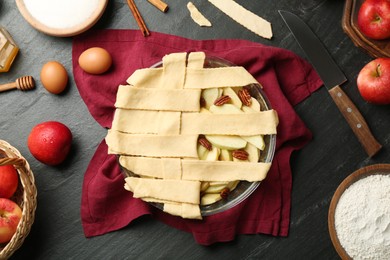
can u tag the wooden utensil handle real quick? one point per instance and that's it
(7, 86)
(355, 121)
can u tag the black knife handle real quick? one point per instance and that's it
(355, 121)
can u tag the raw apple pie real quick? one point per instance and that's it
(189, 133)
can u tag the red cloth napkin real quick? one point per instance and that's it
(287, 80)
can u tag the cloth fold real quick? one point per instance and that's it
(287, 80)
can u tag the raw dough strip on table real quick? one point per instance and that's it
(153, 145)
(195, 170)
(169, 190)
(174, 123)
(196, 78)
(244, 17)
(197, 16)
(158, 99)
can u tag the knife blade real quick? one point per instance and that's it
(332, 77)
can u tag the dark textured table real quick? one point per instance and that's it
(318, 169)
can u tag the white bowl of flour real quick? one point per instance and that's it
(62, 18)
(359, 214)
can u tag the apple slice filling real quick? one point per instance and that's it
(223, 147)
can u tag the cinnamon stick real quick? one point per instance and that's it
(160, 5)
(138, 18)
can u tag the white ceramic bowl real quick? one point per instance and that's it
(82, 24)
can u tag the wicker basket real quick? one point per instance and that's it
(25, 196)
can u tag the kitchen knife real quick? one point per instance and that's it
(332, 77)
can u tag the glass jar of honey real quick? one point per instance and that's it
(8, 50)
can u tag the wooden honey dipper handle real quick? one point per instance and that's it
(22, 83)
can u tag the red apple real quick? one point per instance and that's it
(50, 142)
(10, 215)
(374, 81)
(374, 19)
(9, 180)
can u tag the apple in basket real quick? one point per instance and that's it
(10, 215)
(50, 142)
(374, 81)
(374, 19)
(8, 181)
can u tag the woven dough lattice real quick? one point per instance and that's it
(157, 124)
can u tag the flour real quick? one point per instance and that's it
(61, 14)
(362, 218)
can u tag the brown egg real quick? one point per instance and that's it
(95, 60)
(54, 77)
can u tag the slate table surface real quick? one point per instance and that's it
(318, 169)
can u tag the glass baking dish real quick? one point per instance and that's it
(244, 189)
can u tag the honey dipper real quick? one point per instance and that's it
(22, 83)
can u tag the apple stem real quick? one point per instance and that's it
(378, 71)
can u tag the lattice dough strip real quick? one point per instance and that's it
(198, 170)
(218, 77)
(183, 191)
(153, 122)
(196, 59)
(224, 170)
(174, 123)
(184, 210)
(152, 145)
(163, 168)
(256, 123)
(196, 78)
(158, 99)
(174, 70)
